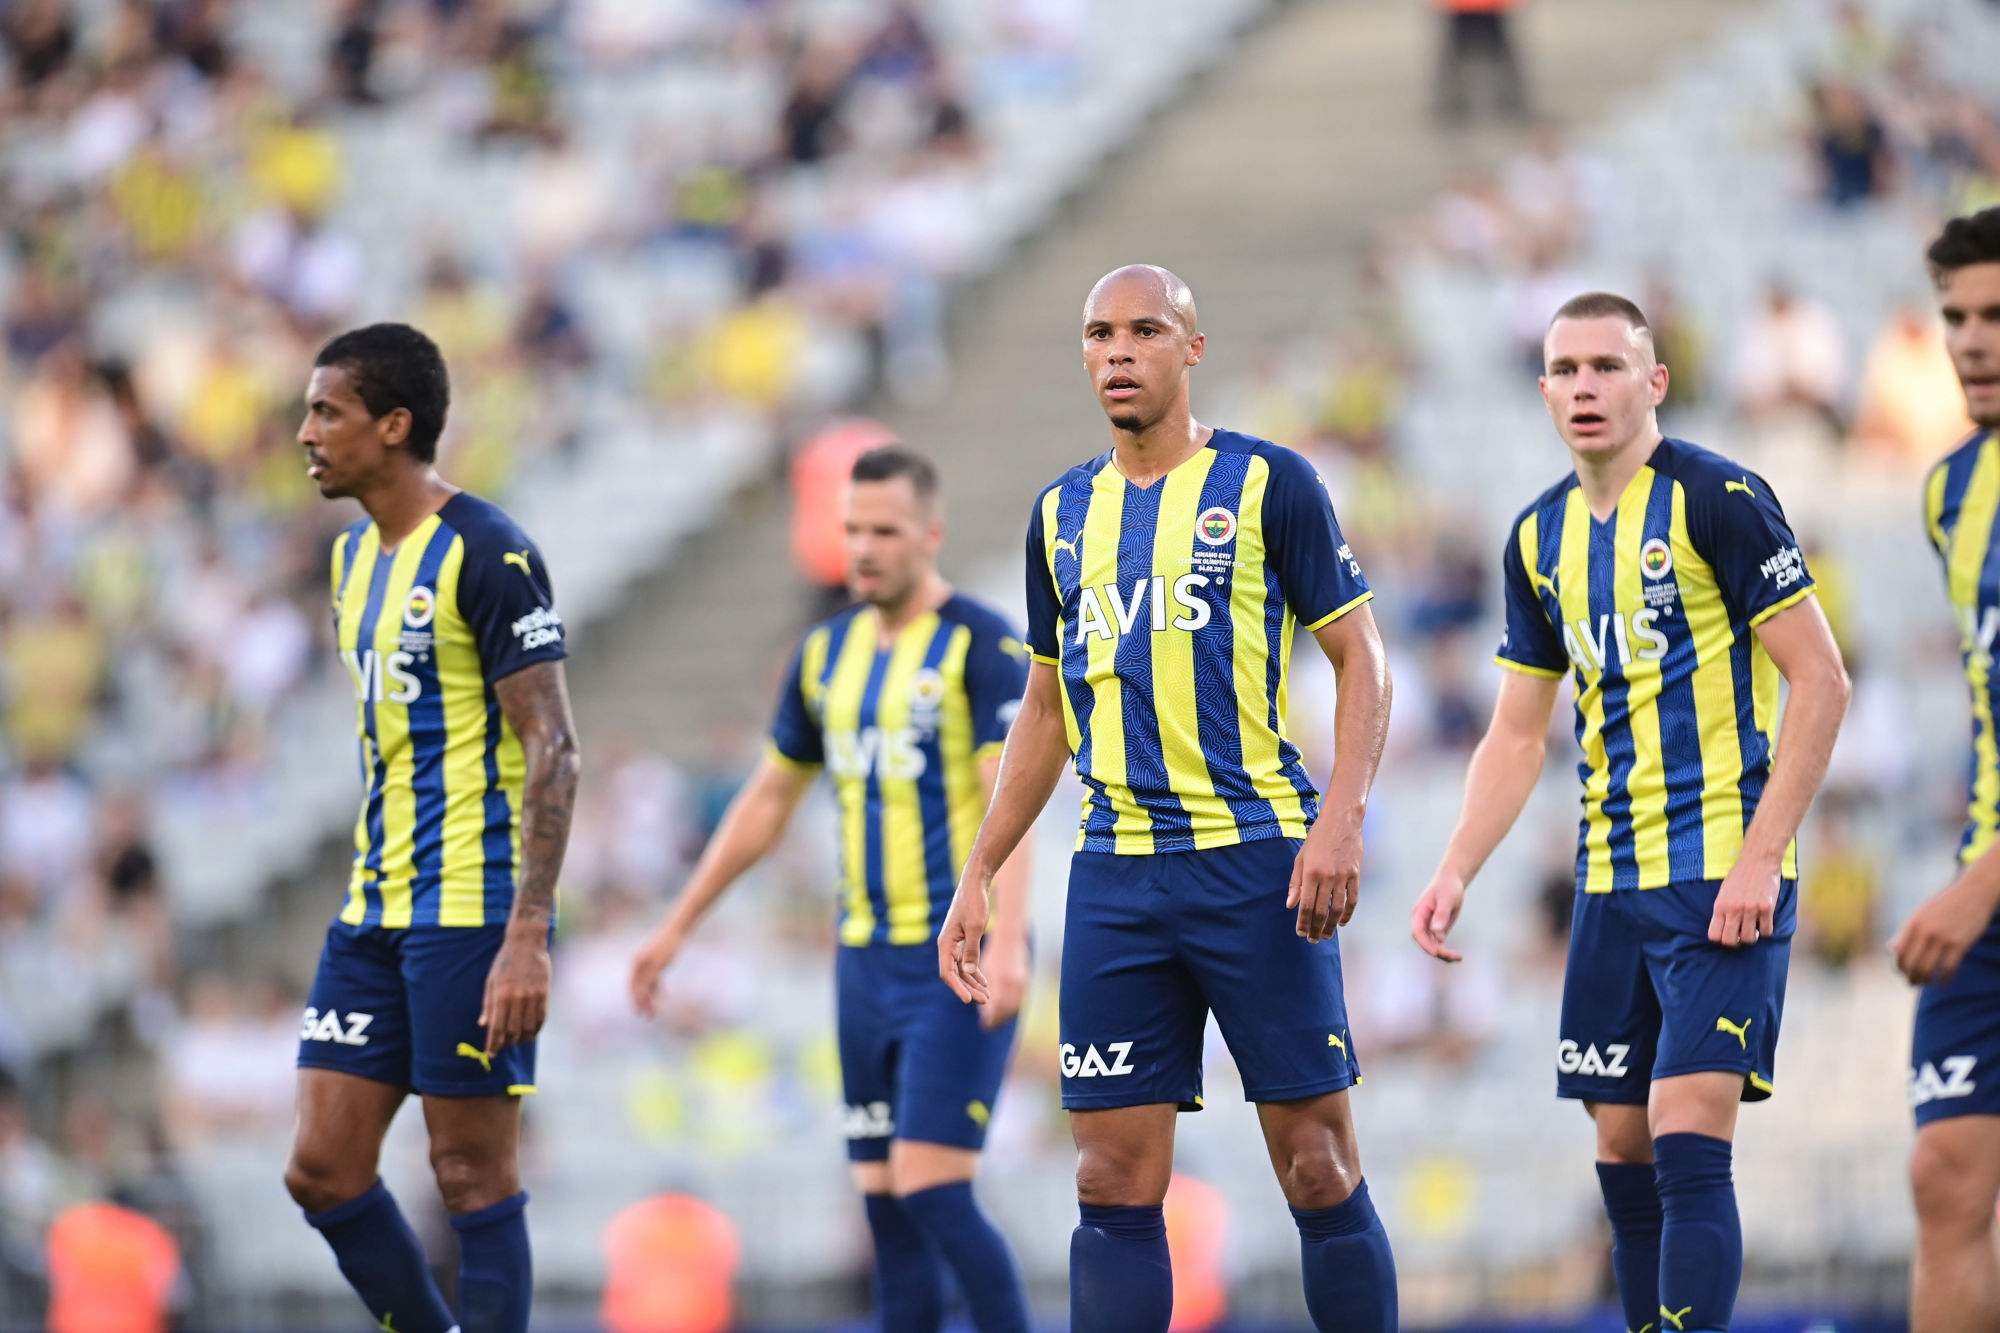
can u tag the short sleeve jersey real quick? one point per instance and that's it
(1168, 611)
(425, 631)
(1651, 613)
(902, 730)
(1961, 514)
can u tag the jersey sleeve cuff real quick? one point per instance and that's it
(1044, 658)
(1781, 605)
(1529, 669)
(785, 761)
(1338, 612)
(990, 750)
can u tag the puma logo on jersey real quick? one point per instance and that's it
(1146, 602)
(1572, 1059)
(471, 1052)
(520, 558)
(387, 1317)
(1333, 1039)
(1928, 1085)
(1065, 544)
(328, 1026)
(1092, 1065)
(1670, 1316)
(978, 1113)
(1743, 486)
(1741, 1033)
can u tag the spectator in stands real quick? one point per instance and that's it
(229, 1067)
(35, 1185)
(1789, 360)
(128, 878)
(41, 38)
(1840, 889)
(111, 1270)
(1910, 409)
(1479, 33)
(1850, 145)
(811, 129)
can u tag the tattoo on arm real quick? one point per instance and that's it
(535, 701)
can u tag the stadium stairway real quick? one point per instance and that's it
(1263, 187)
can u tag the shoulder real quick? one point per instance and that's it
(983, 620)
(1960, 461)
(485, 526)
(348, 539)
(1082, 474)
(1542, 504)
(835, 624)
(1285, 465)
(1703, 473)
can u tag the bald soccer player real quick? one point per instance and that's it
(1164, 577)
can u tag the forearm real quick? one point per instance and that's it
(547, 802)
(750, 828)
(1360, 730)
(1498, 783)
(1811, 721)
(1011, 908)
(1037, 749)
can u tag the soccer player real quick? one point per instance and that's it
(1164, 577)
(905, 698)
(1951, 945)
(435, 975)
(1662, 579)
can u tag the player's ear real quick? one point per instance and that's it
(1196, 346)
(395, 426)
(1658, 385)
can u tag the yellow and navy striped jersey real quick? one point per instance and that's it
(1168, 611)
(425, 630)
(1961, 512)
(902, 729)
(1652, 612)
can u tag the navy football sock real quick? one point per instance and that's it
(1121, 1279)
(909, 1284)
(1701, 1244)
(1632, 1203)
(496, 1274)
(977, 1253)
(379, 1256)
(1349, 1271)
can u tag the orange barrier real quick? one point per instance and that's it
(111, 1270)
(819, 472)
(1197, 1226)
(671, 1267)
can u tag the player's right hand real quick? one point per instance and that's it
(1934, 941)
(1435, 914)
(653, 958)
(958, 942)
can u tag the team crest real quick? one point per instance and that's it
(927, 691)
(1656, 559)
(1215, 526)
(420, 608)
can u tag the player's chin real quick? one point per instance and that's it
(1126, 419)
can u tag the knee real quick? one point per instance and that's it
(1949, 1193)
(1119, 1176)
(1317, 1177)
(318, 1182)
(468, 1181)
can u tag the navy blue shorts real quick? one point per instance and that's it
(1648, 996)
(1955, 1048)
(1153, 943)
(402, 1007)
(914, 1062)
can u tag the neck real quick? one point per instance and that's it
(399, 504)
(1151, 452)
(930, 593)
(1605, 476)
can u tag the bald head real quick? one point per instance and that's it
(1164, 286)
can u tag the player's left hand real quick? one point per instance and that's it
(1934, 941)
(958, 942)
(517, 990)
(1746, 906)
(1326, 875)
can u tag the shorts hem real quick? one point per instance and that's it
(333, 1067)
(1301, 1091)
(1925, 1115)
(1615, 1097)
(1118, 1102)
(468, 1090)
(868, 1150)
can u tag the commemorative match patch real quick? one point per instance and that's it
(1656, 559)
(1215, 526)
(420, 608)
